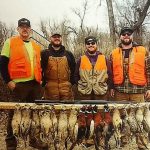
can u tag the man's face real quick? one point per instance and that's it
(126, 38)
(24, 31)
(56, 40)
(91, 47)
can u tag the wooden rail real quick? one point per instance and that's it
(11, 105)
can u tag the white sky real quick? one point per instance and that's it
(36, 10)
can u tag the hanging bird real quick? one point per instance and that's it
(81, 119)
(45, 124)
(98, 127)
(146, 119)
(117, 124)
(35, 124)
(89, 122)
(108, 128)
(132, 121)
(125, 130)
(72, 125)
(54, 122)
(79, 128)
(16, 120)
(25, 123)
(141, 136)
(62, 128)
(139, 118)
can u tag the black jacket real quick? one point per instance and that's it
(4, 68)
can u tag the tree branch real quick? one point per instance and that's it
(142, 15)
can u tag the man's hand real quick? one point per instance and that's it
(11, 85)
(147, 94)
(112, 92)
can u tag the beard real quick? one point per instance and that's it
(92, 52)
(126, 42)
(56, 44)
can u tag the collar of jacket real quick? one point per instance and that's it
(134, 44)
(96, 54)
(62, 48)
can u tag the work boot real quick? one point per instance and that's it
(11, 142)
(37, 143)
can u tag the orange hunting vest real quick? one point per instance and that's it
(136, 66)
(19, 62)
(100, 63)
(93, 77)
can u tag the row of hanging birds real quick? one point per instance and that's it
(85, 126)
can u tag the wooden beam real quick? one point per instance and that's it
(11, 105)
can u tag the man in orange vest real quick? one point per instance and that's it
(21, 71)
(131, 74)
(93, 73)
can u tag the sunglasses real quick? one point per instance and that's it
(93, 43)
(126, 33)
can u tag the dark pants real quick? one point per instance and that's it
(23, 92)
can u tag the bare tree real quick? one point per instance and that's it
(49, 27)
(43, 28)
(141, 15)
(111, 22)
(5, 32)
(133, 14)
(81, 14)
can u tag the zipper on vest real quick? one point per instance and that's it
(92, 69)
(92, 75)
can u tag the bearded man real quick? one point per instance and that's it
(131, 72)
(131, 75)
(58, 66)
(93, 74)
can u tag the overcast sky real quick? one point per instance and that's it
(36, 10)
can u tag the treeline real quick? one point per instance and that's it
(133, 13)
